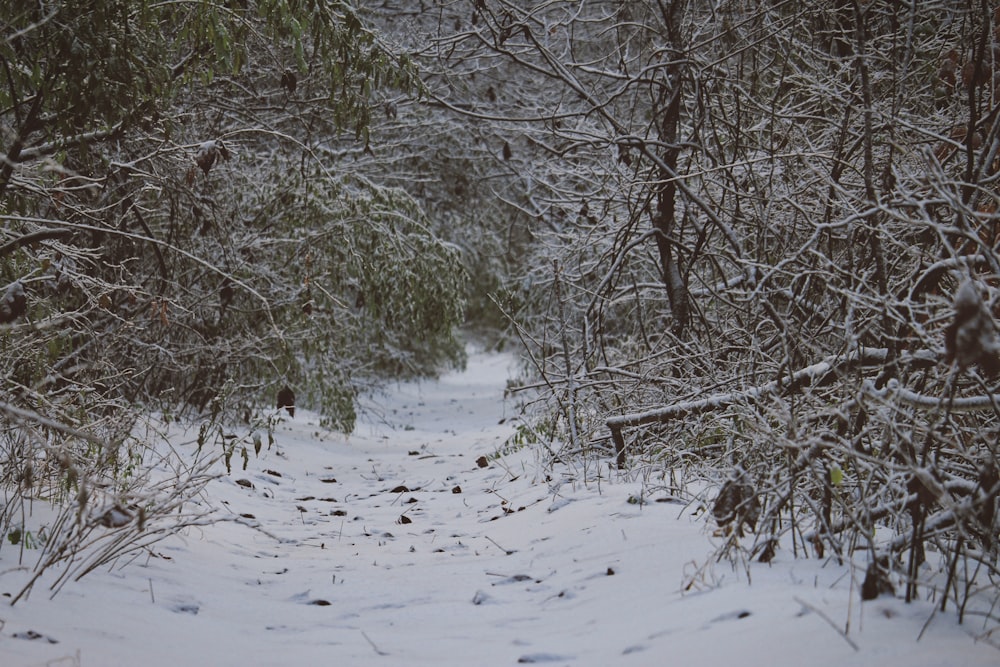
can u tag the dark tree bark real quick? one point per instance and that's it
(668, 110)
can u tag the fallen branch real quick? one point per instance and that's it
(893, 390)
(816, 374)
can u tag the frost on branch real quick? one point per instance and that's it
(971, 337)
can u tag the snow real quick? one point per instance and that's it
(499, 565)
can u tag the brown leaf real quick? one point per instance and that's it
(737, 503)
(286, 399)
(877, 581)
(14, 302)
(289, 81)
(208, 152)
(971, 338)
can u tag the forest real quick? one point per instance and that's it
(742, 245)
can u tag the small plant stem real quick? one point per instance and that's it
(829, 620)
(951, 574)
(376, 648)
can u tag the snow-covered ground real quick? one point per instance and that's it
(395, 547)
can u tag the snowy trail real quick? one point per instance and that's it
(395, 547)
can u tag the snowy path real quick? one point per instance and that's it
(394, 547)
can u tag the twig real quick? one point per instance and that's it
(506, 551)
(376, 648)
(255, 526)
(930, 618)
(30, 416)
(829, 620)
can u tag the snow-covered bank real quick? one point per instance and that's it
(396, 547)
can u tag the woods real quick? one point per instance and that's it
(750, 225)
(751, 236)
(182, 238)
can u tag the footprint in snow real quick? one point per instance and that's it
(731, 616)
(32, 635)
(306, 598)
(186, 608)
(515, 579)
(635, 648)
(532, 658)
